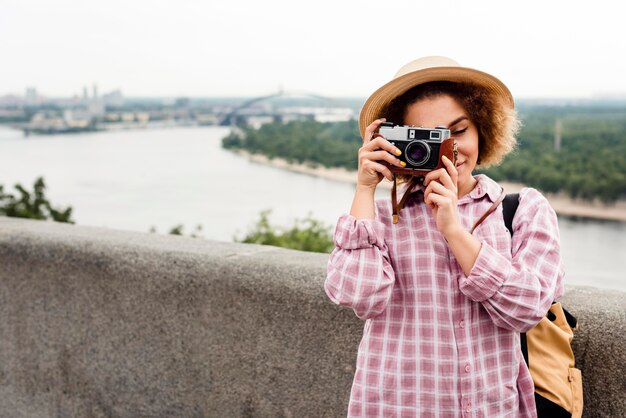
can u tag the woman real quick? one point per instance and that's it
(443, 306)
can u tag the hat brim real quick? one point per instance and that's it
(380, 99)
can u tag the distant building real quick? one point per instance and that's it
(95, 105)
(319, 114)
(182, 102)
(113, 99)
(76, 119)
(11, 100)
(257, 121)
(31, 97)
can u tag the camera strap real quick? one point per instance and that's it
(489, 211)
(397, 207)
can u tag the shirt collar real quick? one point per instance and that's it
(484, 186)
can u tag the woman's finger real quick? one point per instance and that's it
(381, 156)
(370, 131)
(446, 180)
(437, 200)
(452, 171)
(442, 176)
(380, 142)
(434, 175)
(373, 167)
(440, 189)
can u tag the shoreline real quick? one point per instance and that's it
(562, 205)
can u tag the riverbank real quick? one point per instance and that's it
(563, 205)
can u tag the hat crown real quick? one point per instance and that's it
(426, 70)
(426, 62)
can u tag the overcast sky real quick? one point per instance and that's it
(539, 48)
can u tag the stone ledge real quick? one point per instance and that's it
(97, 322)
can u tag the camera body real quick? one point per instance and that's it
(422, 148)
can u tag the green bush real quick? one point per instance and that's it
(305, 235)
(32, 205)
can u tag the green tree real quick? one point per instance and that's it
(32, 205)
(306, 235)
(589, 165)
(327, 144)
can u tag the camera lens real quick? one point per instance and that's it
(417, 152)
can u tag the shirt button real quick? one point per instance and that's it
(467, 368)
(468, 409)
(462, 324)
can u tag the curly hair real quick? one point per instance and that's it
(497, 123)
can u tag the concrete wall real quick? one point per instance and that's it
(102, 323)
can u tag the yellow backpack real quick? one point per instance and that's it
(548, 352)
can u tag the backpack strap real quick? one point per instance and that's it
(509, 207)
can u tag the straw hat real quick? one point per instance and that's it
(424, 70)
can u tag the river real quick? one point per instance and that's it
(143, 179)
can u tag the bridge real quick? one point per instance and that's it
(231, 118)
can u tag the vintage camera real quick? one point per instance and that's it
(422, 148)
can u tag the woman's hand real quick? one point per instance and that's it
(441, 195)
(374, 150)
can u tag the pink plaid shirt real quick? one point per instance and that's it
(438, 343)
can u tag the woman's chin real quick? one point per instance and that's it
(464, 170)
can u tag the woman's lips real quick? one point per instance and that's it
(459, 164)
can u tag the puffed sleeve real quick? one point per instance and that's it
(359, 273)
(518, 292)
